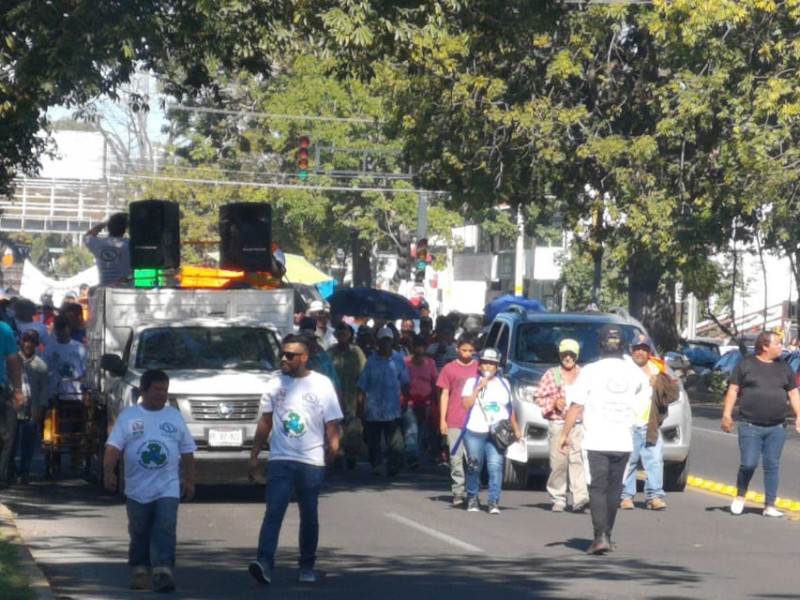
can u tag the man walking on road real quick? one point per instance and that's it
(300, 408)
(647, 443)
(551, 396)
(158, 453)
(762, 384)
(453, 415)
(608, 391)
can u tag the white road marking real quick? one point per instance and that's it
(715, 431)
(433, 533)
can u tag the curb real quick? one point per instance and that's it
(38, 582)
(752, 496)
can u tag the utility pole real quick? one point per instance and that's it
(519, 259)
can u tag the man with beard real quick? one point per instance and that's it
(304, 408)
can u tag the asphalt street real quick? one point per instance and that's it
(402, 539)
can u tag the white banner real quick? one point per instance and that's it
(36, 284)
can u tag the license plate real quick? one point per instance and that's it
(225, 437)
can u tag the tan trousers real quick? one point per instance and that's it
(566, 468)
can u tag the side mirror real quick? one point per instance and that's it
(113, 364)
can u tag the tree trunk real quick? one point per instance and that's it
(651, 300)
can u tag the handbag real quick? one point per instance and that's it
(502, 435)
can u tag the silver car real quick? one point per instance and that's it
(529, 343)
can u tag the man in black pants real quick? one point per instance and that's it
(609, 391)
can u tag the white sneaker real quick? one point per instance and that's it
(737, 506)
(771, 511)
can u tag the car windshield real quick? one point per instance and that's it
(538, 342)
(241, 348)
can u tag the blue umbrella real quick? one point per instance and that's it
(369, 302)
(502, 304)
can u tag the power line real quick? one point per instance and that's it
(248, 113)
(283, 186)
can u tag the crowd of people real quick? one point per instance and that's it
(358, 388)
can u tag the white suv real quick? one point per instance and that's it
(529, 343)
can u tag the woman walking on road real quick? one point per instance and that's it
(762, 384)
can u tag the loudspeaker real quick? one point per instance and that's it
(155, 234)
(245, 233)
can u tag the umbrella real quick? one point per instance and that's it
(369, 302)
(502, 303)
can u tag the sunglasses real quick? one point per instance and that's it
(291, 355)
(568, 355)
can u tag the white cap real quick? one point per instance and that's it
(316, 307)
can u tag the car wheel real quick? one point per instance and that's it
(675, 476)
(515, 475)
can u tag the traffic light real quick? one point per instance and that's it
(403, 256)
(421, 260)
(302, 157)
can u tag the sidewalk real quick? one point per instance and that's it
(38, 582)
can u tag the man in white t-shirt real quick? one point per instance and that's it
(609, 391)
(158, 453)
(300, 409)
(112, 254)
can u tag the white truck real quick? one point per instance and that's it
(218, 347)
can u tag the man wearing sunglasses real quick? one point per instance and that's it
(300, 408)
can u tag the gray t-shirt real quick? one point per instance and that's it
(112, 255)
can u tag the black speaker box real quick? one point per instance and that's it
(245, 233)
(155, 234)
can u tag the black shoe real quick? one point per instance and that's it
(259, 572)
(600, 545)
(162, 582)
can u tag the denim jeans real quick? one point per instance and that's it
(411, 434)
(283, 478)
(765, 443)
(479, 449)
(24, 444)
(652, 458)
(152, 528)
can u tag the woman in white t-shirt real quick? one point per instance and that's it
(488, 399)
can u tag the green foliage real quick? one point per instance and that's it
(14, 584)
(576, 278)
(74, 260)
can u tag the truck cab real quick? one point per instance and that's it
(219, 348)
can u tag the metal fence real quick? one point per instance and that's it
(61, 205)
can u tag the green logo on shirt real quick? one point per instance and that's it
(153, 455)
(293, 426)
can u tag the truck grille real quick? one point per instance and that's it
(226, 408)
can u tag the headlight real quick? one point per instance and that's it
(525, 392)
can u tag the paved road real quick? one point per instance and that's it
(403, 540)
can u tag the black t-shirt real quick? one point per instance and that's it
(763, 390)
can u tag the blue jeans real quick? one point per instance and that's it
(283, 478)
(765, 443)
(152, 528)
(411, 434)
(652, 462)
(479, 449)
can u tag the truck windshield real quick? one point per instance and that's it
(538, 342)
(241, 348)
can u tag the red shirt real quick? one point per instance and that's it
(452, 378)
(423, 380)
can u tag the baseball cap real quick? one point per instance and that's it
(316, 307)
(490, 355)
(610, 338)
(385, 332)
(569, 345)
(642, 339)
